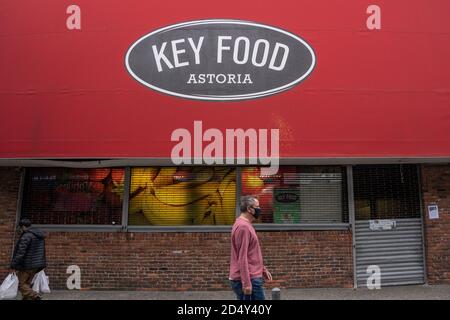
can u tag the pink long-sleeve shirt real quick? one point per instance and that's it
(246, 258)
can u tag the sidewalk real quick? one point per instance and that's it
(425, 292)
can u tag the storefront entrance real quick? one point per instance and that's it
(388, 225)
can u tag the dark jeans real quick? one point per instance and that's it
(257, 290)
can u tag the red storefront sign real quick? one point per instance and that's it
(373, 93)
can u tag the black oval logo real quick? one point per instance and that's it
(220, 60)
(287, 197)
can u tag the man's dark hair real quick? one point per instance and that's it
(24, 223)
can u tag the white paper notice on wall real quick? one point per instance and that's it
(433, 211)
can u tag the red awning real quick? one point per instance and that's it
(373, 93)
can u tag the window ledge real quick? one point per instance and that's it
(187, 229)
(78, 228)
(302, 227)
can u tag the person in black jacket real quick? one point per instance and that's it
(28, 258)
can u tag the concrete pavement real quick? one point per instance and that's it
(425, 292)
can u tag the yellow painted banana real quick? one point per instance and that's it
(158, 213)
(181, 194)
(164, 177)
(209, 199)
(228, 205)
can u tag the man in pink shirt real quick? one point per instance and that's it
(246, 267)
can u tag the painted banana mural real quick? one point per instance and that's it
(171, 196)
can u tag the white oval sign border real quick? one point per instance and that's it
(219, 97)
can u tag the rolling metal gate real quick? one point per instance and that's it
(397, 252)
(388, 226)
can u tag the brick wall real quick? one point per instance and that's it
(199, 261)
(177, 261)
(196, 261)
(9, 189)
(436, 189)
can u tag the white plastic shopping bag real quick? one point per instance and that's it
(8, 289)
(40, 282)
(35, 283)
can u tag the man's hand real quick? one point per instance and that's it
(267, 275)
(247, 291)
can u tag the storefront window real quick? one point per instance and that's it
(386, 191)
(299, 194)
(182, 196)
(73, 196)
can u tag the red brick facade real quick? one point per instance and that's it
(436, 189)
(196, 261)
(9, 190)
(199, 261)
(178, 261)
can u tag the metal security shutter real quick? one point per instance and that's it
(180, 196)
(73, 196)
(321, 197)
(299, 194)
(397, 252)
(388, 226)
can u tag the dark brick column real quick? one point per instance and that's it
(9, 192)
(436, 189)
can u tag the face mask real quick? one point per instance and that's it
(257, 212)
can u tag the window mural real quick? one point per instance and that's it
(172, 196)
(184, 196)
(73, 196)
